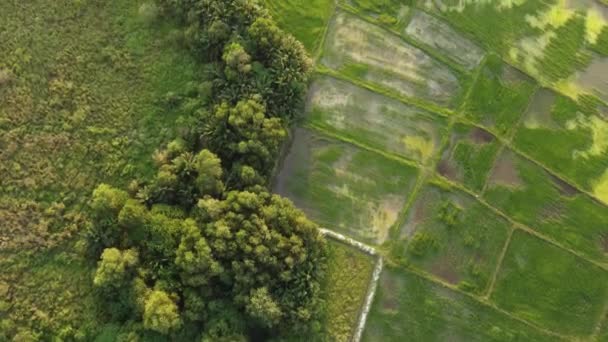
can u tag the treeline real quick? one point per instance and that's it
(203, 251)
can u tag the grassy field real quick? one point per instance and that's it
(343, 187)
(408, 306)
(469, 156)
(535, 269)
(81, 102)
(454, 237)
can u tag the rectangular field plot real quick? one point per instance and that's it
(410, 308)
(454, 237)
(551, 287)
(391, 13)
(567, 139)
(345, 188)
(499, 96)
(348, 276)
(442, 37)
(367, 52)
(468, 157)
(374, 120)
(528, 194)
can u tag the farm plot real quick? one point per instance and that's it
(549, 286)
(530, 195)
(343, 187)
(437, 34)
(408, 307)
(348, 277)
(468, 157)
(454, 237)
(367, 52)
(374, 120)
(499, 96)
(390, 13)
(569, 139)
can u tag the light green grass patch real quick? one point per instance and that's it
(348, 276)
(551, 207)
(374, 120)
(468, 157)
(367, 52)
(343, 187)
(466, 237)
(408, 307)
(498, 101)
(567, 137)
(390, 13)
(437, 34)
(305, 19)
(551, 287)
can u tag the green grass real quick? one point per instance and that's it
(343, 187)
(466, 237)
(549, 286)
(528, 194)
(82, 106)
(468, 157)
(409, 307)
(349, 273)
(568, 139)
(390, 13)
(498, 101)
(374, 120)
(305, 19)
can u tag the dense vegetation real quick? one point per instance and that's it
(202, 249)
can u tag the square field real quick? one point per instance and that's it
(469, 156)
(363, 51)
(374, 120)
(343, 187)
(551, 287)
(410, 308)
(527, 193)
(454, 237)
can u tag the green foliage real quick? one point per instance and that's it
(422, 243)
(113, 267)
(160, 313)
(263, 307)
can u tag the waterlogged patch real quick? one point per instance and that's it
(599, 134)
(600, 188)
(593, 78)
(538, 114)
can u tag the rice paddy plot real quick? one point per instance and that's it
(454, 237)
(345, 188)
(469, 156)
(374, 120)
(440, 36)
(366, 52)
(410, 308)
(530, 195)
(305, 19)
(550, 287)
(593, 78)
(390, 13)
(499, 96)
(569, 139)
(348, 276)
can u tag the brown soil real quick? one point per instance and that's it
(505, 172)
(552, 212)
(444, 269)
(481, 136)
(446, 170)
(564, 188)
(604, 242)
(390, 291)
(514, 76)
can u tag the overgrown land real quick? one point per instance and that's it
(137, 140)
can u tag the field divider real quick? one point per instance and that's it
(434, 279)
(600, 324)
(320, 48)
(366, 147)
(411, 101)
(373, 284)
(522, 226)
(499, 262)
(409, 40)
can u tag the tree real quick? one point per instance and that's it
(113, 267)
(161, 313)
(262, 307)
(237, 60)
(193, 256)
